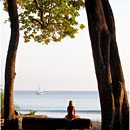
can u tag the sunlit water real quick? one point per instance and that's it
(54, 103)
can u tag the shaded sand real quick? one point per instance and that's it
(96, 125)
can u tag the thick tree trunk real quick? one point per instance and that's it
(108, 68)
(120, 94)
(100, 39)
(10, 62)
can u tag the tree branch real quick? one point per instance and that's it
(42, 23)
(41, 11)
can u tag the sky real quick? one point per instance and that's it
(66, 65)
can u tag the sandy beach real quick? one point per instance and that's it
(96, 125)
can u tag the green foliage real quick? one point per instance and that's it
(59, 16)
(82, 26)
(2, 102)
(32, 112)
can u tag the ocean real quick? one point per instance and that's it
(54, 103)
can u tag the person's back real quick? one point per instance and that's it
(71, 111)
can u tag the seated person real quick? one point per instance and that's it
(71, 111)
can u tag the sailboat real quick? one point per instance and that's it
(40, 91)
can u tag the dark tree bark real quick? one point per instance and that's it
(120, 94)
(10, 62)
(111, 84)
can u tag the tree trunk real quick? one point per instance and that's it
(120, 94)
(10, 63)
(111, 84)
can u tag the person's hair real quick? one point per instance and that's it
(70, 103)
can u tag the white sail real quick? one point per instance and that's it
(40, 91)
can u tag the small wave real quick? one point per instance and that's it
(63, 111)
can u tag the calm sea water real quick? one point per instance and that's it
(54, 103)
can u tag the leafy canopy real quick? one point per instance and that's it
(49, 20)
